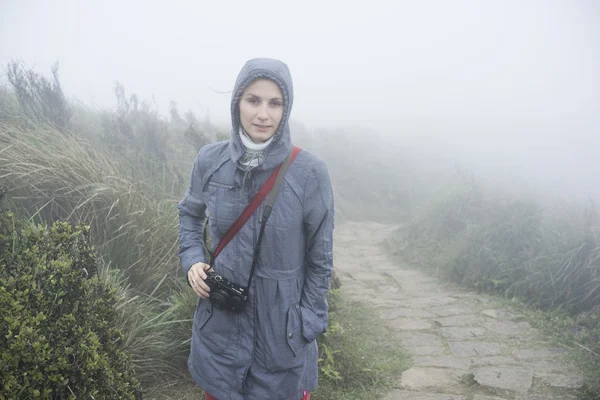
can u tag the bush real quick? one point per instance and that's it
(57, 329)
(546, 255)
(517, 247)
(53, 175)
(40, 99)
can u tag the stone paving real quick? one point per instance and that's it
(464, 346)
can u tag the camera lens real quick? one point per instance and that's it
(219, 298)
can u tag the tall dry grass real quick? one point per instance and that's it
(55, 175)
(544, 252)
(122, 173)
(547, 254)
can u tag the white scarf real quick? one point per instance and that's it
(254, 154)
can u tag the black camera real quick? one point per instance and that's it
(226, 295)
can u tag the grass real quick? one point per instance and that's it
(368, 358)
(560, 328)
(543, 256)
(55, 175)
(156, 329)
(128, 197)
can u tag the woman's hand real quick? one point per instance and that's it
(196, 277)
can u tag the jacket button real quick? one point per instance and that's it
(290, 335)
(297, 306)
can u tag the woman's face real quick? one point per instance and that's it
(261, 109)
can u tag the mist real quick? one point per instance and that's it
(509, 89)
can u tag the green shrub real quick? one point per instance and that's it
(329, 368)
(133, 226)
(57, 328)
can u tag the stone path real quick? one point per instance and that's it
(463, 346)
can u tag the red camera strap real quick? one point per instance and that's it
(250, 208)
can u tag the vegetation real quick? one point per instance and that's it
(547, 256)
(58, 336)
(373, 185)
(114, 179)
(39, 98)
(359, 359)
(118, 176)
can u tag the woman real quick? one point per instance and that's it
(269, 350)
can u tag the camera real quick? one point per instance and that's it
(226, 295)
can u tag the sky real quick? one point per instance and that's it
(503, 85)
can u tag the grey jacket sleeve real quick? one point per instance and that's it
(318, 223)
(192, 216)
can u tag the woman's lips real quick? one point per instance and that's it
(262, 128)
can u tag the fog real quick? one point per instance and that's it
(507, 88)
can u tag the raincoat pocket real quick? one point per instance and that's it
(295, 337)
(203, 313)
(213, 327)
(221, 206)
(281, 345)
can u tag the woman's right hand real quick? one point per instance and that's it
(196, 277)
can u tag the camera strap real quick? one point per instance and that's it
(269, 206)
(270, 187)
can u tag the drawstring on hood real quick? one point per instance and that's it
(278, 147)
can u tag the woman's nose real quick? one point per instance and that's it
(263, 114)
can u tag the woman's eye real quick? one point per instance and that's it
(276, 103)
(253, 101)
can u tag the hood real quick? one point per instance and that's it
(281, 144)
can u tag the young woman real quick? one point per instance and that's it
(269, 350)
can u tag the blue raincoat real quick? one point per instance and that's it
(269, 351)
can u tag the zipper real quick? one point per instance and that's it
(246, 176)
(252, 223)
(245, 375)
(221, 185)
